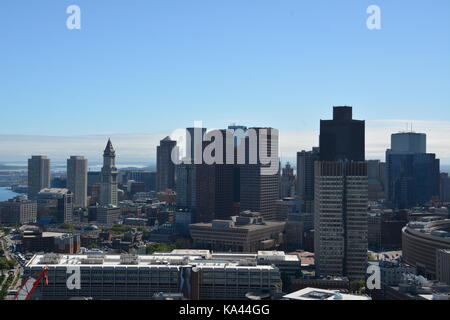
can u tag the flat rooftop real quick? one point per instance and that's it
(321, 294)
(167, 260)
(249, 227)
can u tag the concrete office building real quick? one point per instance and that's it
(245, 233)
(77, 167)
(38, 175)
(196, 274)
(18, 211)
(165, 168)
(420, 242)
(108, 215)
(56, 204)
(56, 242)
(286, 206)
(108, 188)
(340, 219)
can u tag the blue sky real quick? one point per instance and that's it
(147, 66)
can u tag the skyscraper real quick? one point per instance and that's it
(340, 219)
(445, 187)
(409, 142)
(195, 189)
(165, 168)
(412, 175)
(341, 198)
(376, 173)
(342, 138)
(305, 177)
(77, 167)
(287, 184)
(108, 189)
(259, 185)
(38, 175)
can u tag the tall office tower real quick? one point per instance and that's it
(259, 184)
(195, 145)
(165, 168)
(185, 185)
(224, 178)
(239, 136)
(204, 188)
(342, 138)
(340, 219)
(77, 167)
(108, 189)
(412, 175)
(409, 142)
(38, 175)
(376, 174)
(305, 177)
(287, 184)
(195, 189)
(445, 187)
(239, 133)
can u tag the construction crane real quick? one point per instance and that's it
(27, 289)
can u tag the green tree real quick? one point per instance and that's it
(67, 226)
(159, 247)
(357, 285)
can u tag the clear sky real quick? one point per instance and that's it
(147, 66)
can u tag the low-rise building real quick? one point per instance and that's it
(38, 241)
(108, 215)
(245, 233)
(18, 211)
(196, 274)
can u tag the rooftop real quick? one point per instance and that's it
(198, 258)
(320, 294)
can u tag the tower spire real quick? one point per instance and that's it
(109, 147)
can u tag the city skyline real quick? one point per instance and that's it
(141, 148)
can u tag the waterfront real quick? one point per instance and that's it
(6, 194)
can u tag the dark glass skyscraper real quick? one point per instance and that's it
(165, 168)
(342, 138)
(413, 179)
(412, 174)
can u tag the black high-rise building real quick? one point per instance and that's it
(165, 168)
(342, 138)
